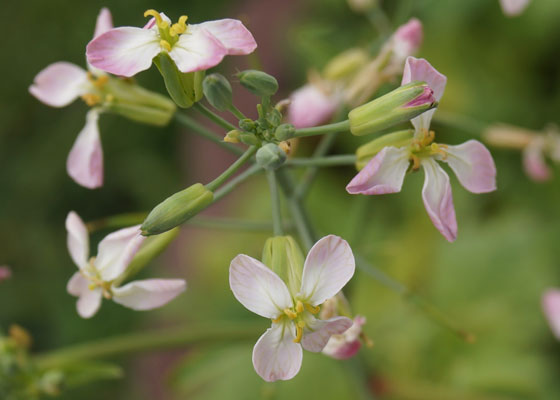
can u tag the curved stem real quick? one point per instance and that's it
(331, 161)
(216, 183)
(275, 203)
(228, 187)
(343, 126)
(213, 116)
(235, 111)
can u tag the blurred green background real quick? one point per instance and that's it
(489, 282)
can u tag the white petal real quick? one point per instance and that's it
(89, 302)
(258, 288)
(148, 294)
(513, 8)
(104, 22)
(197, 50)
(551, 308)
(77, 239)
(275, 355)
(383, 174)
(328, 267)
(232, 34)
(318, 332)
(116, 251)
(77, 284)
(310, 106)
(534, 162)
(59, 84)
(85, 160)
(438, 199)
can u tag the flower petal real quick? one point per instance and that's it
(383, 174)
(77, 284)
(85, 161)
(116, 251)
(438, 199)
(77, 240)
(275, 355)
(104, 22)
(89, 302)
(310, 106)
(197, 50)
(534, 161)
(59, 84)
(328, 267)
(124, 51)
(551, 308)
(407, 39)
(258, 288)
(513, 8)
(346, 345)
(318, 332)
(232, 34)
(421, 70)
(148, 294)
(474, 166)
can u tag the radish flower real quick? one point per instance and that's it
(277, 355)
(100, 276)
(471, 161)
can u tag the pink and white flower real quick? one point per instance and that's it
(471, 161)
(551, 308)
(312, 105)
(277, 355)
(126, 51)
(347, 344)
(513, 8)
(100, 276)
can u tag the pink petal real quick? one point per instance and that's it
(346, 345)
(328, 267)
(383, 174)
(85, 161)
(513, 8)
(258, 288)
(59, 84)
(77, 284)
(534, 162)
(275, 355)
(438, 199)
(407, 39)
(5, 273)
(421, 70)
(77, 240)
(196, 51)
(104, 22)
(310, 106)
(148, 294)
(116, 251)
(232, 34)
(318, 332)
(551, 308)
(474, 166)
(89, 302)
(124, 51)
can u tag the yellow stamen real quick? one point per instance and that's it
(165, 44)
(277, 320)
(299, 307)
(286, 146)
(92, 286)
(301, 324)
(156, 15)
(436, 149)
(179, 27)
(299, 334)
(101, 81)
(290, 313)
(91, 99)
(311, 309)
(416, 162)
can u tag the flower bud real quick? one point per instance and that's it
(249, 139)
(400, 105)
(345, 64)
(270, 156)
(217, 91)
(285, 132)
(507, 136)
(283, 256)
(274, 117)
(184, 88)
(177, 209)
(258, 82)
(232, 136)
(247, 125)
(367, 151)
(362, 6)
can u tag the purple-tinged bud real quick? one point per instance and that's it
(427, 97)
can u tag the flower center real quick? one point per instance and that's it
(297, 316)
(98, 83)
(423, 146)
(95, 280)
(169, 34)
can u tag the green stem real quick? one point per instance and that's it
(145, 341)
(213, 116)
(275, 202)
(330, 161)
(224, 176)
(190, 123)
(337, 127)
(232, 184)
(238, 114)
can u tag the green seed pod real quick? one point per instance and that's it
(217, 91)
(283, 256)
(270, 156)
(285, 132)
(258, 82)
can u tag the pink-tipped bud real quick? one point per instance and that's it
(407, 39)
(427, 97)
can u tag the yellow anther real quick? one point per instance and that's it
(436, 149)
(415, 162)
(91, 99)
(107, 294)
(301, 324)
(277, 320)
(286, 146)
(179, 27)
(165, 44)
(290, 313)
(299, 307)
(92, 286)
(101, 81)
(299, 334)
(311, 309)
(155, 14)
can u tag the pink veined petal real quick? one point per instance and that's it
(232, 34)
(197, 50)
(383, 174)
(89, 302)
(77, 284)
(347, 344)
(148, 294)
(258, 288)
(407, 39)
(104, 22)
(116, 251)
(77, 239)
(310, 106)
(124, 51)
(438, 199)
(328, 267)
(421, 70)
(534, 162)
(59, 84)
(318, 332)
(474, 166)
(275, 355)
(513, 8)
(551, 308)
(85, 160)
